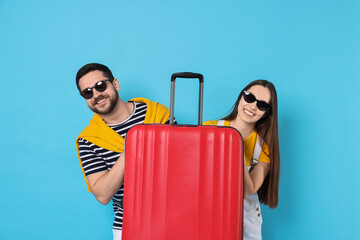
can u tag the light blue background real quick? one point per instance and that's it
(310, 50)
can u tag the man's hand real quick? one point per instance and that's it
(104, 185)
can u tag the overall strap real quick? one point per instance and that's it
(257, 150)
(221, 123)
(256, 154)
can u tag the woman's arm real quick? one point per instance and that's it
(254, 179)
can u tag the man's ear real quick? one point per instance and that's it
(116, 84)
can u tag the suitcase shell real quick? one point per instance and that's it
(183, 182)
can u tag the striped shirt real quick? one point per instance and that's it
(96, 159)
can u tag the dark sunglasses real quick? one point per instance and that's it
(261, 105)
(100, 86)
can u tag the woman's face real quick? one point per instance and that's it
(249, 112)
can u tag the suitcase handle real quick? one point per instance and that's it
(201, 93)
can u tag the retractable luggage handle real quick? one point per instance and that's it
(201, 93)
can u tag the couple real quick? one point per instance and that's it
(101, 143)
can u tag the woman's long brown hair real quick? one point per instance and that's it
(267, 128)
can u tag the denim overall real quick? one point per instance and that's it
(252, 212)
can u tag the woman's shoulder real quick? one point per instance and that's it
(211, 122)
(216, 122)
(264, 146)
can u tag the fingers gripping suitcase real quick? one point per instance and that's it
(183, 181)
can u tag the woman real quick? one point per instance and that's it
(254, 115)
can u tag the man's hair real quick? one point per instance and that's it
(90, 67)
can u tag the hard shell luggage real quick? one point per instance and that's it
(183, 181)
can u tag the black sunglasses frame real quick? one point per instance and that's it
(99, 88)
(261, 105)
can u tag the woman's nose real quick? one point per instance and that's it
(253, 105)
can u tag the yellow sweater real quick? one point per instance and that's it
(249, 145)
(100, 134)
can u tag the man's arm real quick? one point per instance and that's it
(105, 184)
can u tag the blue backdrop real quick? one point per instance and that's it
(309, 49)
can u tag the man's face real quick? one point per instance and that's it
(104, 102)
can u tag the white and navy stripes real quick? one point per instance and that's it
(96, 159)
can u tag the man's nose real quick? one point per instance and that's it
(96, 93)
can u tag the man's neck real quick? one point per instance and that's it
(120, 113)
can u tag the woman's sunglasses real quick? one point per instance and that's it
(100, 86)
(261, 105)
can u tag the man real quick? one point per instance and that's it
(100, 145)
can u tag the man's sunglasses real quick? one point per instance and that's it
(261, 105)
(100, 86)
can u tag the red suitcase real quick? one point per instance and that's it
(183, 181)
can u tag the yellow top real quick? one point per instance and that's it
(100, 134)
(249, 144)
